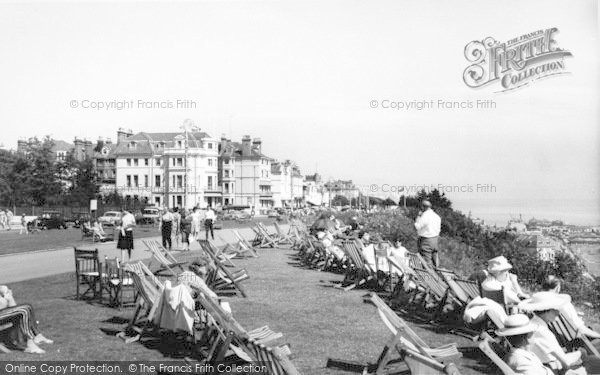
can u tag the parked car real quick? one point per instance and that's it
(150, 215)
(273, 213)
(51, 220)
(217, 224)
(110, 218)
(242, 215)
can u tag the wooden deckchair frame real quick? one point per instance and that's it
(244, 245)
(486, 347)
(148, 293)
(403, 334)
(229, 277)
(358, 272)
(284, 238)
(567, 335)
(243, 344)
(166, 261)
(267, 240)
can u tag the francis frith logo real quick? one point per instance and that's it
(515, 63)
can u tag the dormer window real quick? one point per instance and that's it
(132, 145)
(179, 144)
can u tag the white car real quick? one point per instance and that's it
(150, 215)
(110, 217)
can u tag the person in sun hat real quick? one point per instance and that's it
(545, 307)
(518, 330)
(499, 278)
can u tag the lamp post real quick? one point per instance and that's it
(187, 126)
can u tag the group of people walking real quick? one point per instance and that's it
(6, 217)
(185, 225)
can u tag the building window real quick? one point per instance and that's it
(146, 180)
(210, 182)
(146, 162)
(179, 181)
(210, 146)
(173, 161)
(135, 162)
(180, 162)
(210, 162)
(157, 181)
(226, 188)
(157, 201)
(179, 144)
(158, 162)
(129, 162)
(226, 161)
(128, 180)
(135, 180)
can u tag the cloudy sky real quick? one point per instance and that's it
(302, 75)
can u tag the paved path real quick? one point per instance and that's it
(31, 265)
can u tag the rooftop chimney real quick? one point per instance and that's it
(123, 134)
(246, 146)
(257, 144)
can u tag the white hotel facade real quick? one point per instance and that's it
(151, 168)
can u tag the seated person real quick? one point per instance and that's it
(24, 333)
(553, 284)
(518, 330)
(545, 308)
(499, 278)
(98, 230)
(327, 239)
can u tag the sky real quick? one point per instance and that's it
(302, 76)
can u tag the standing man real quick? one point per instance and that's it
(428, 225)
(166, 227)
(208, 222)
(23, 225)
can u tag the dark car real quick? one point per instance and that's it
(52, 220)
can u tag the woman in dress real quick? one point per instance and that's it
(125, 241)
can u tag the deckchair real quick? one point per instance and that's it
(403, 334)
(224, 275)
(166, 261)
(486, 347)
(148, 292)
(266, 239)
(420, 364)
(434, 287)
(567, 335)
(284, 238)
(463, 290)
(232, 336)
(358, 272)
(243, 245)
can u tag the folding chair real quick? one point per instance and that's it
(567, 336)
(244, 246)
(88, 272)
(403, 334)
(266, 239)
(284, 238)
(148, 294)
(486, 347)
(225, 276)
(433, 287)
(166, 261)
(116, 282)
(358, 272)
(420, 364)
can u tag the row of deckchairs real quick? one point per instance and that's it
(221, 337)
(224, 278)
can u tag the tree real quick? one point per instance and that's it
(340, 200)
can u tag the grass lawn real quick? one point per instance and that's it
(317, 321)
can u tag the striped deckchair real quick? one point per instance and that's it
(358, 271)
(222, 277)
(233, 338)
(148, 290)
(244, 247)
(284, 238)
(166, 261)
(403, 335)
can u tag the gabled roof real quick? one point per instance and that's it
(61, 145)
(234, 150)
(144, 141)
